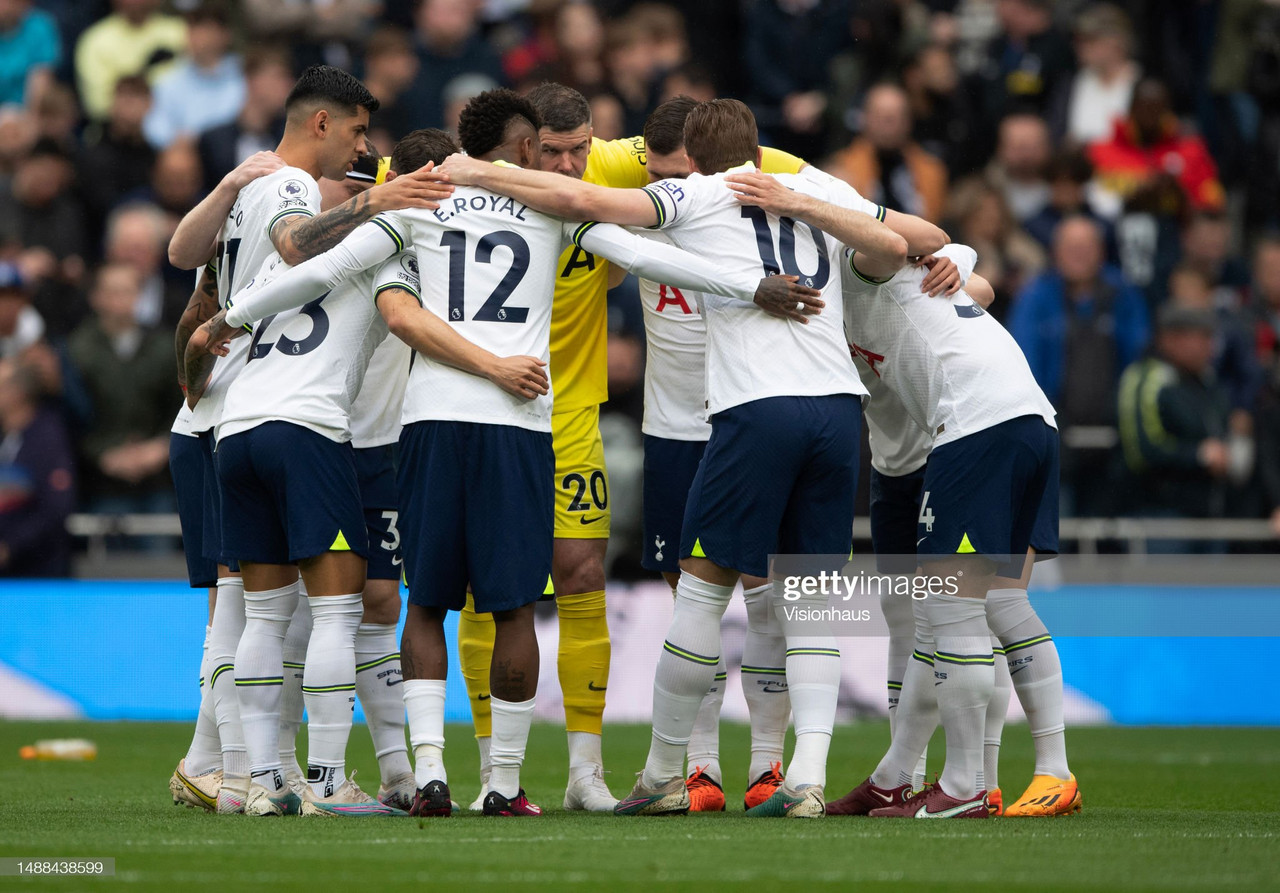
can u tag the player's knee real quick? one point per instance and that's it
(584, 575)
(1008, 609)
(381, 601)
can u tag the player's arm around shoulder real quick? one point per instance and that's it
(196, 237)
(301, 237)
(556, 194)
(883, 252)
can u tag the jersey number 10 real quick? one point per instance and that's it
(787, 248)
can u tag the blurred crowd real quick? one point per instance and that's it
(1116, 166)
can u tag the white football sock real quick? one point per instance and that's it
(964, 668)
(378, 686)
(813, 684)
(260, 672)
(585, 755)
(511, 721)
(424, 702)
(329, 685)
(686, 669)
(764, 681)
(224, 638)
(902, 637)
(484, 745)
(704, 742)
(997, 710)
(1036, 671)
(295, 659)
(205, 753)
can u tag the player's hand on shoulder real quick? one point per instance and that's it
(943, 277)
(259, 164)
(785, 298)
(764, 191)
(521, 376)
(423, 188)
(463, 170)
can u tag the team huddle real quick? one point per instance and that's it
(393, 369)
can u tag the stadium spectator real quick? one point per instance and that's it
(128, 371)
(116, 159)
(390, 65)
(1234, 360)
(1265, 295)
(259, 126)
(21, 325)
(576, 56)
(1173, 423)
(1079, 325)
(608, 117)
(885, 165)
(942, 112)
(1007, 257)
(135, 39)
(204, 90)
(1022, 66)
(37, 479)
(1019, 167)
(1150, 141)
(18, 133)
(39, 211)
(30, 50)
(58, 115)
(1206, 245)
(632, 68)
(177, 181)
(788, 46)
(1101, 91)
(461, 90)
(137, 237)
(1071, 188)
(693, 80)
(448, 44)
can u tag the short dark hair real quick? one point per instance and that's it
(664, 128)
(561, 108)
(417, 148)
(483, 122)
(325, 85)
(1070, 164)
(720, 134)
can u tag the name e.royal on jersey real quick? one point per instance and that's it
(499, 204)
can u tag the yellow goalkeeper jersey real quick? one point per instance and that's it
(579, 316)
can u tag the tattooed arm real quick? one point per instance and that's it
(300, 238)
(202, 306)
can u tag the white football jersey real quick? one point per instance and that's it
(675, 370)
(494, 265)
(244, 246)
(898, 445)
(182, 422)
(956, 370)
(306, 365)
(375, 414)
(751, 355)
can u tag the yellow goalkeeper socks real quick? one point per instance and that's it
(583, 659)
(475, 653)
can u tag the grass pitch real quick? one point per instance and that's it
(1165, 809)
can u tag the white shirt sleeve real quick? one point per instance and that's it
(659, 262)
(369, 244)
(400, 271)
(838, 192)
(964, 257)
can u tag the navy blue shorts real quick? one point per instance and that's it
(669, 469)
(186, 465)
(982, 493)
(212, 548)
(288, 493)
(779, 476)
(895, 506)
(376, 473)
(477, 505)
(1044, 534)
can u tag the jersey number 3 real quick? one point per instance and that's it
(494, 309)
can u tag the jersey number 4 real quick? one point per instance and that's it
(787, 248)
(494, 309)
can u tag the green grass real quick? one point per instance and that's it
(1165, 809)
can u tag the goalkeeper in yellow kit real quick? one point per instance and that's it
(579, 337)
